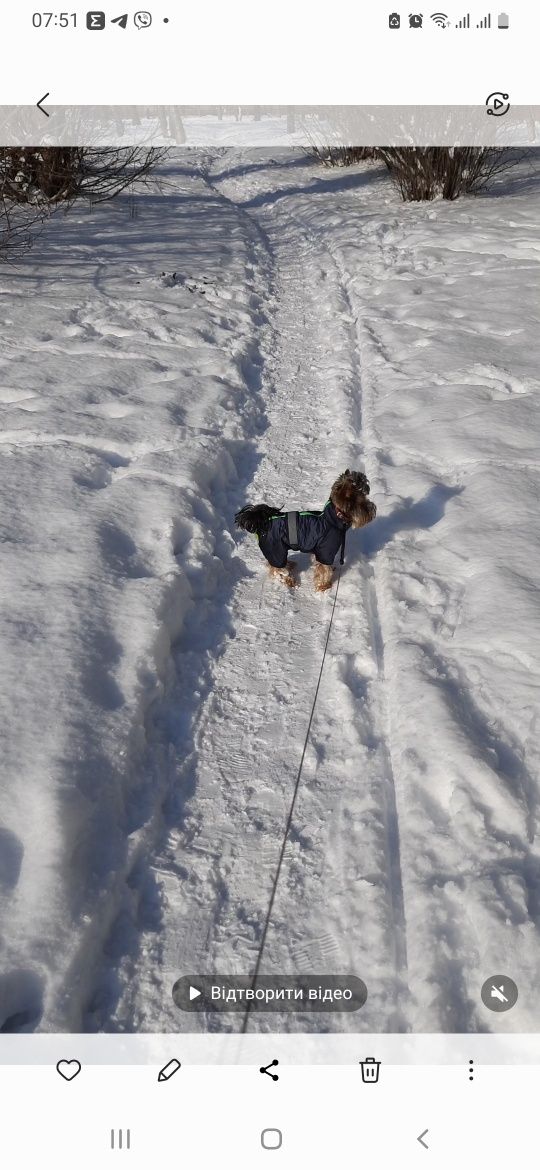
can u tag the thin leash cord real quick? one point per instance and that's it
(289, 822)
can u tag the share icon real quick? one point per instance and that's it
(274, 1076)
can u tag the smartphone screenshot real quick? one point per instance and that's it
(270, 573)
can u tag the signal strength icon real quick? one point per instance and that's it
(465, 23)
(121, 21)
(440, 19)
(486, 22)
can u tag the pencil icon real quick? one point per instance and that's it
(170, 1069)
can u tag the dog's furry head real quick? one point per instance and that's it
(349, 495)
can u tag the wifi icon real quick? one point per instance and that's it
(440, 19)
(121, 21)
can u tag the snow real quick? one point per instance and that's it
(245, 334)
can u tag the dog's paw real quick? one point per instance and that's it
(323, 587)
(287, 575)
(323, 578)
(291, 578)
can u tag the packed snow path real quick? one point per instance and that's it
(247, 335)
(339, 905)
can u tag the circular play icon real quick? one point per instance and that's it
(498, 104)
(499, 993)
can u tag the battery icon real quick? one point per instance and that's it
(504, 20)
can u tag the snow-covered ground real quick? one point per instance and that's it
(246, 334)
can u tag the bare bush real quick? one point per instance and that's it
(16, 232)
(34, 182)
(343, 156)
(428, 172)
(19, 221)
(424, 173)
(62, 174)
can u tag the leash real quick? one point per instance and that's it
(291, 812)
(342, 557)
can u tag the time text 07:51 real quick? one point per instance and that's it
(54, 19)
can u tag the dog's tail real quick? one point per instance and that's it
(256, 518)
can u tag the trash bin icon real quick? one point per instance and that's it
(370, 1070)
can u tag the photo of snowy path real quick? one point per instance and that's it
(243, 333)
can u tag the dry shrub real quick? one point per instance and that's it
(61, 174)
(343, 156)
(434, 172)
(428, 172)
(35, 181)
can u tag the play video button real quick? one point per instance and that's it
(272, 993)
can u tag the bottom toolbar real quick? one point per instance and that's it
(232, 1116)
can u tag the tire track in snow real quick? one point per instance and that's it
(391, 801)
(391, 804)
(370, 598)
(392, 818)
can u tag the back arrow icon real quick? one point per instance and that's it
(419, 1139)
(40, 107)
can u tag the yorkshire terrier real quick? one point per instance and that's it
(321, 533)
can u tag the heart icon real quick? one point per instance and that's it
(69, 1069)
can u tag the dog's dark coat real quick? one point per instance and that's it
(318, 532)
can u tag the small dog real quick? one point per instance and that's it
(321, 533)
